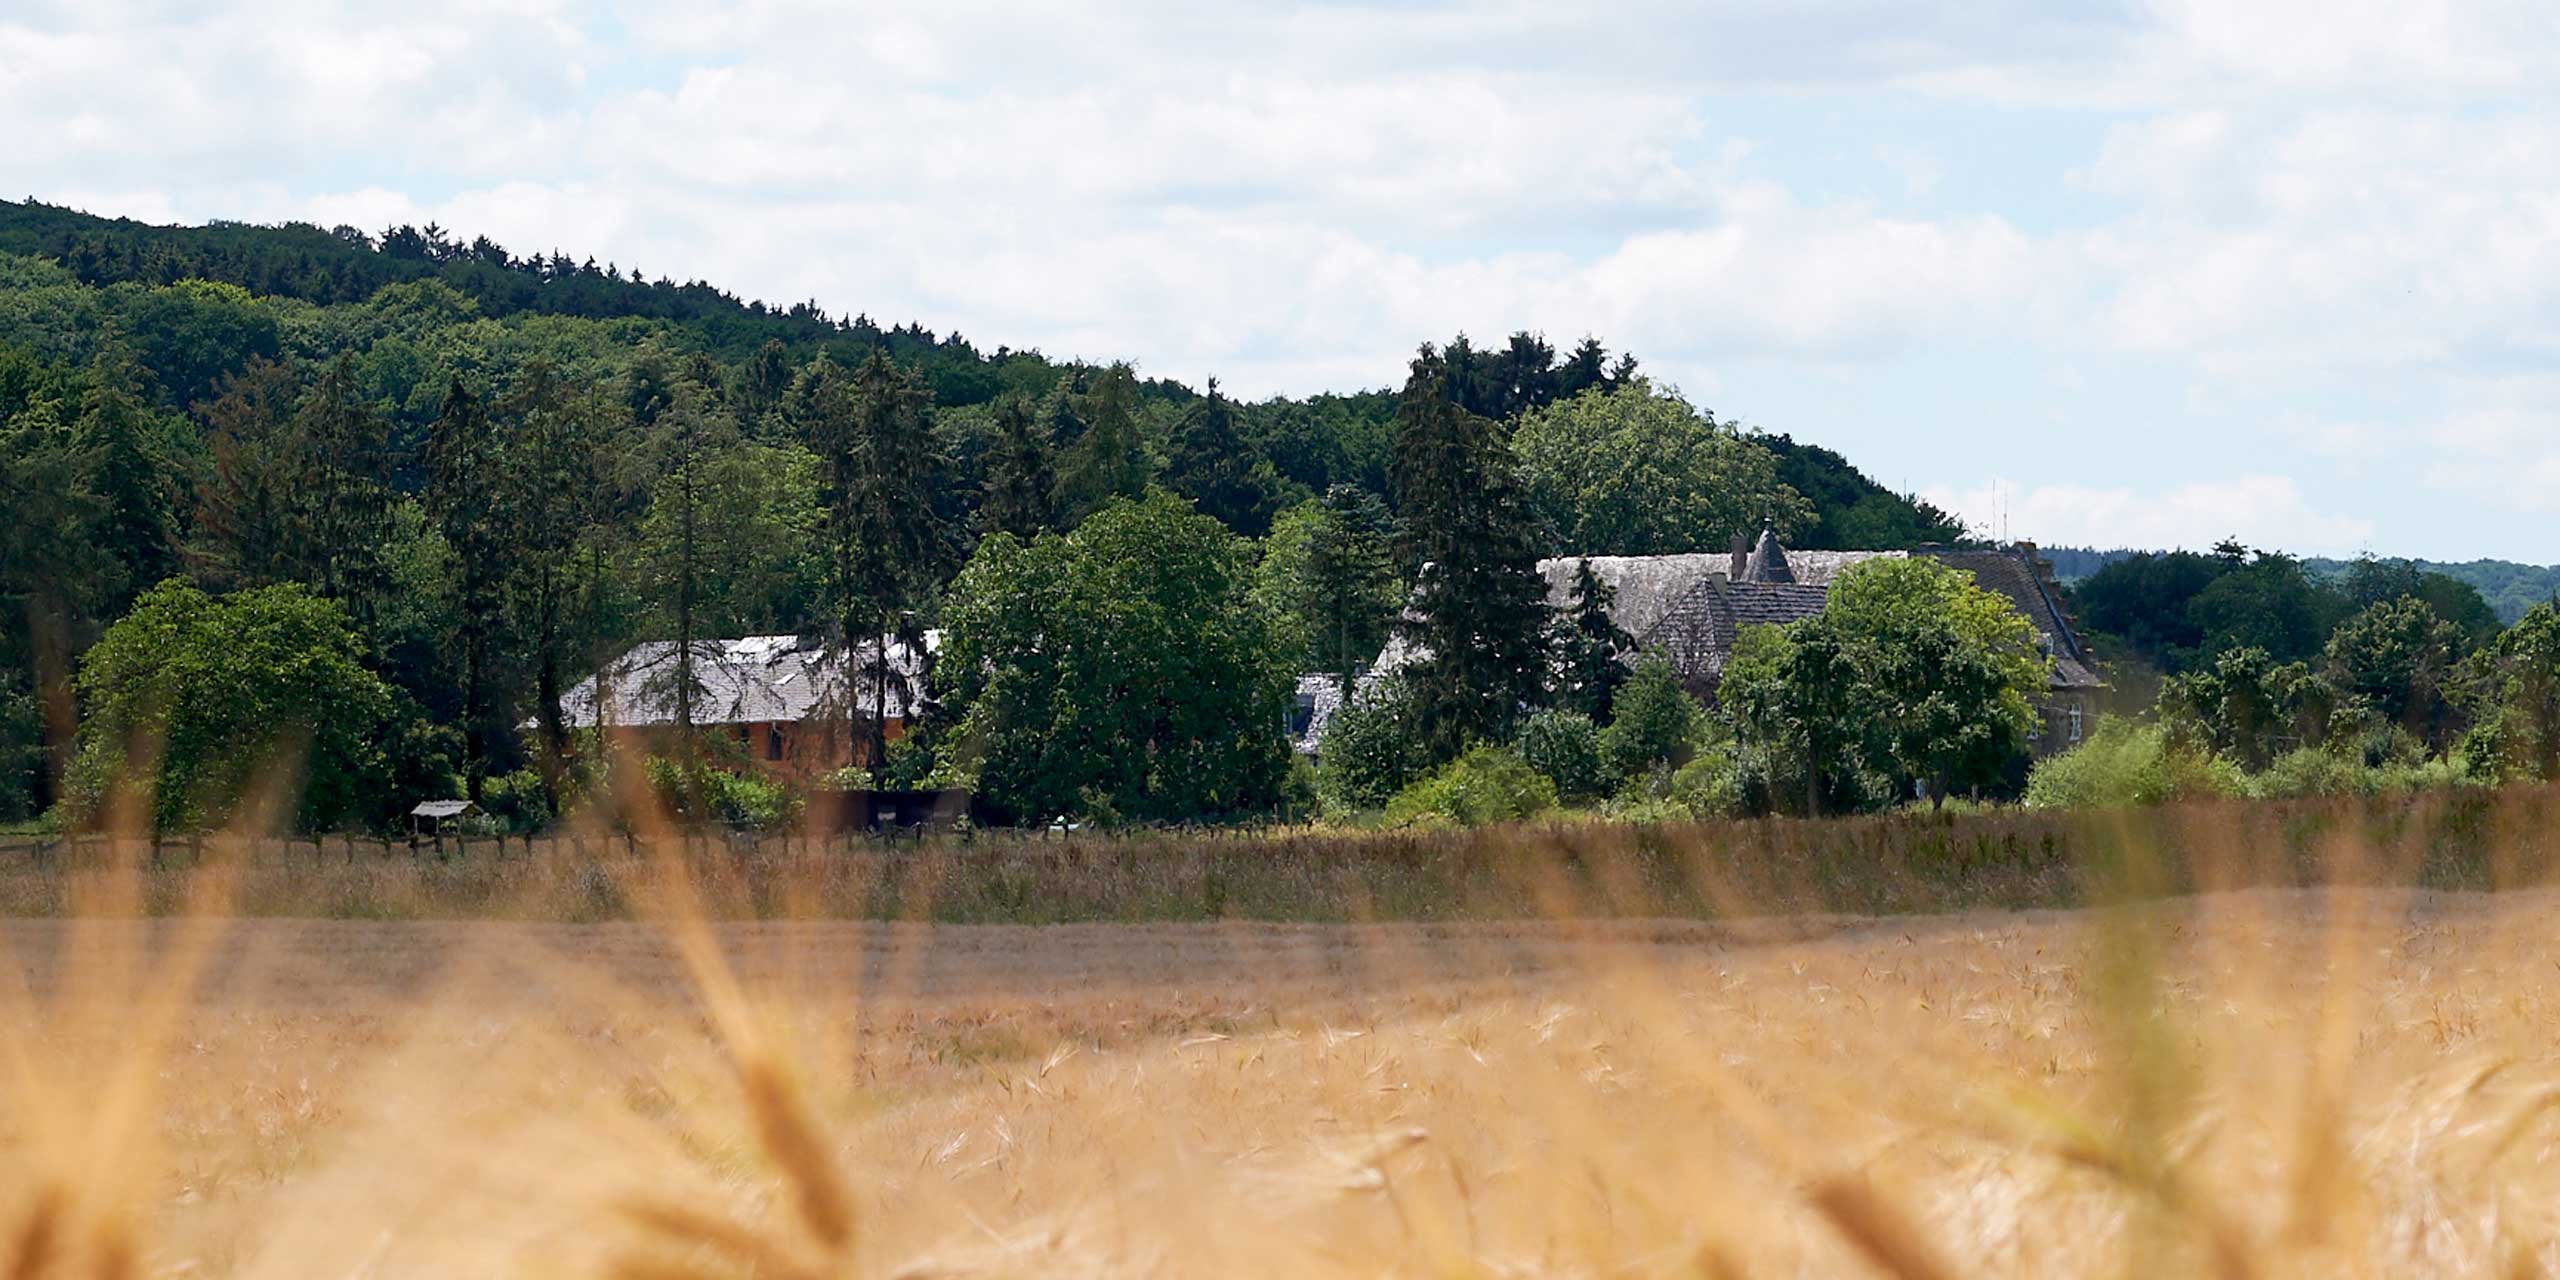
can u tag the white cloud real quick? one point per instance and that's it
(2288, 202)
(2260, 510)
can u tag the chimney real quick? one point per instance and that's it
(1741, 558)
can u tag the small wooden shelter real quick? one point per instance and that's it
(436, 817)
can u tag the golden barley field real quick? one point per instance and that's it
(2255, 1082)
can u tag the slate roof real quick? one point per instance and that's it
(749, 680)
(1646, 586)
(1700, 631)
(1693, 607)
(2016, 573)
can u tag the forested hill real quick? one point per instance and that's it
(190, 339)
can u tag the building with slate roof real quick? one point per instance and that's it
(784, 697)
(1693, 609)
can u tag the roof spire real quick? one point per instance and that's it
(1769, 560)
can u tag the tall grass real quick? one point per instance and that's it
(2262, 1042)
(1879, 865)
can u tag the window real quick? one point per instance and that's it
(2075, 724)
(773, 742)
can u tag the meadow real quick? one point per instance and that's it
(2232, 1041)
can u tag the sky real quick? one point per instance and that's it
(2148, 274)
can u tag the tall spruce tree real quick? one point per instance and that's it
(1219, 470)
(1479, 617)
(1352, 590)
(1021, 492)
(1109, 459)
(1591, 649)
(245, 527)
(466, 496)
(133, 471)
(692, 440)
(342, 494)
(556, 489)
(870, 434)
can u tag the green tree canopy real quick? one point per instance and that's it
(1911, 674)
(1634, 471)
(1120, 671)
(225, 699)
(2515, 701)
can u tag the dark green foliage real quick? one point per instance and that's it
(1118, 672)
(196, 334)
(2143, 600)
(1657, 724)
(1479, 615)
(883, 546)
(2398, 657)
(1372, 748)
(465, 477)
(137, 468)
(1218, 470)
(234, 699)
(2269, 603)
(2507, 588)
(2368, 582)
(1108, 457)
(1021, 485)
(1565, 746)
(2180, 609)
(1590, 649)
(2515, 699)
(1351, 591)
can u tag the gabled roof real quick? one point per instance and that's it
(443, 809)
(749, 680)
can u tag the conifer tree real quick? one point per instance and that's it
(692, 440)
(1021, 486)
(1109, 459)
(556, 492)
(870, 434)
(1352, 588)
(133, 472)
(245, 524)
(1590, 648)
(1222, 473)
(465, 495)
(344, 502)
(1479, 617)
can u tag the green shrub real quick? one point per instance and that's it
(1487, 784)
(1565, 746)
(2126, 765)
(1657, 724)
(517, 800)
(2312, 771)
(1709, 786)
(1372, 749)
(705, 794)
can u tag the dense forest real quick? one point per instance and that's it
(498, 470)
(2510, 588)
